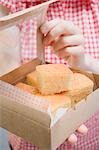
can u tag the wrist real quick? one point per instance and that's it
(88, 63)
(91, 64)
(85, 62)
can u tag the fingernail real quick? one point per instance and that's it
(72, 139)
(82, 129)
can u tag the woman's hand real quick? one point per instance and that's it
(65, 38)
(67, 42)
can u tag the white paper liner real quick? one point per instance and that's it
(25, 98)
(59, 113)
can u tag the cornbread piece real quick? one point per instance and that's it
(53, 78)
(82, 87)
(31, 79)
(56, 101)
(27, 88)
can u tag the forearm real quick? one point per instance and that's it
(92, 64)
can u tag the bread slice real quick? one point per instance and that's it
(27, 88)
(56, 101)
(31, 79)
(53, 78)
(82, 87)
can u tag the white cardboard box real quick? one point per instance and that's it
(20, 115)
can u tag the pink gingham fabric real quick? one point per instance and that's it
(84, 14)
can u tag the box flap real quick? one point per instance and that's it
(19, 74)
(16, 18)
(37, 12)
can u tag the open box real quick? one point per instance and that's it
(28, 116)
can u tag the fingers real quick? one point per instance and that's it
(56, 28)
(72, 139)
(62, 53)
(82, 129)
(64, 37)
(67, 41)
(69, 51)
(75, 50)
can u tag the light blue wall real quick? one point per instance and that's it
(3, 140)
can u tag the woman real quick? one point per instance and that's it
(84, 14)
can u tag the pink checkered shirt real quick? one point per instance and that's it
(85, 14)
